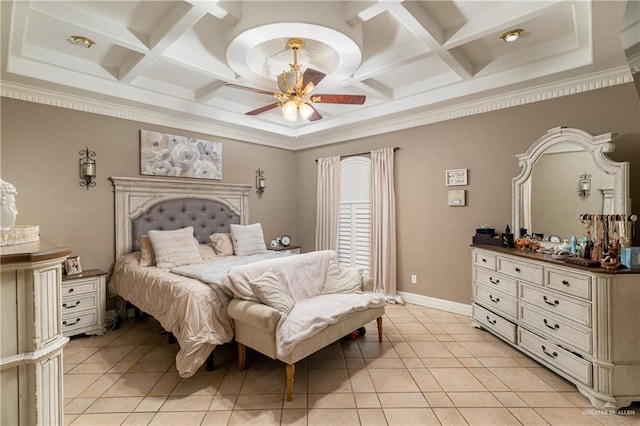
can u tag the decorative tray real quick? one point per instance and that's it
(582, 262)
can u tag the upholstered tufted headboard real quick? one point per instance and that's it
(143, 204)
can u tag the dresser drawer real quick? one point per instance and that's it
(557, 328)
(79, 286)
(484, 259)
(499, 282)
(556, 356)
(74, 321)
(522, 270)
(572, 309)
(494, 322)
(496, 300)
(78, 302)
(569, 283)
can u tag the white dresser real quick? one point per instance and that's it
(32, 340)
(83, 303)
(582, 323)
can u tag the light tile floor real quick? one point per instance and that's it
(432, 368)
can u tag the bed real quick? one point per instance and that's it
(193, 311)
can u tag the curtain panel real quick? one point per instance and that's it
(328, 203)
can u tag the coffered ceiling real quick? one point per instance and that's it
(417, 62)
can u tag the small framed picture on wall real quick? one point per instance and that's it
(456, 177)
(72, 265)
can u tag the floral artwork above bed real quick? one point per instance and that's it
(162, 154)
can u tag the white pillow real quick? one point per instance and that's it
(175, 248)
(341, 279)
(248, 239)
(269, 292)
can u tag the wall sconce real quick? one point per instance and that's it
(261, 184)
(584, 186)
(87, 168)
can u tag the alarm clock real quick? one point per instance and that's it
(285, 240)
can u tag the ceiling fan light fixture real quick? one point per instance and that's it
(305, 110)
(290, 110)
(511, 35)
(287, 81)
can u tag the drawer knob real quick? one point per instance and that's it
(553, 327)
(496, 300)
(552, 355)
(565, 282)
(554, 303)
(496, 281)
(484, 260)
(492, 322)
(70, 290)
(73, 323)
(64, 305)
(518, 270)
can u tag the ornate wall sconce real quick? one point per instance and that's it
(584, 186)
(261, 184)
(87, 168)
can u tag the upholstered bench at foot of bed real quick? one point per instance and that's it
(255, 327)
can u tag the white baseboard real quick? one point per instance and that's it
(432, 302)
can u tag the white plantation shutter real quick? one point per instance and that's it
(354, 224)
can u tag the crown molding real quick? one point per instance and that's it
(598, 80)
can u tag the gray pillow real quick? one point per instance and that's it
(248, 239)
(175, 248)
(269, 292)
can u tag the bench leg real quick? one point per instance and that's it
(242, 357)
(379, 320)
(291, 371)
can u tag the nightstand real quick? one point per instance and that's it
(83, 302)
(291, 249)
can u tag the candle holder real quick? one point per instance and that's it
(87, 168)
(261, 183)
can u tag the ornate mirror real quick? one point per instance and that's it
(566, 173)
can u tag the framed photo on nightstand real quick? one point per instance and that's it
(456, 177)
(72, 265)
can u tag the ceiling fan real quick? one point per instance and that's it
(295, 88)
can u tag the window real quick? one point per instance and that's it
(354, 224)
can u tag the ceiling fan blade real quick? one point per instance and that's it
(250, 89)
(263, 109)
(313, 76)
(315, 116)
(339, 99)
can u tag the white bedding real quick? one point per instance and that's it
(193, 311)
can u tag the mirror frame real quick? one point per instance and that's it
(598, 146)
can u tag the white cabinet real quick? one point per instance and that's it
(580, 322)
(83, 303)
(31, 352)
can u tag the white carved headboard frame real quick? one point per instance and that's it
(135, 196)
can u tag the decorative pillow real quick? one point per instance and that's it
(341, 279)
(147, 258)
(207, 252)
(222, 244)
(175, 248)
(269, 292)
(248, 239)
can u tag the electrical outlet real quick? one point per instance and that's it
(414, 279)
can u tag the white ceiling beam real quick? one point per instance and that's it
(357, 12)
(229, 12)
(175, 25)
(374, 88)
(207, 92)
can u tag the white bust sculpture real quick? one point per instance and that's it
(8, 210)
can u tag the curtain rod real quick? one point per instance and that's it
(395, 148)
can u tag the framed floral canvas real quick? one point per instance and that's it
(162, 154)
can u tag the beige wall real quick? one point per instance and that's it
(433, 239)
(39, 150)
(40, 147)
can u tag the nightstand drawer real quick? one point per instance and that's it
(559, 329)
(572, 309)
(71, 321)
(484, 259)
(78, 302)
(499, 282)
(521, 270)
(79, 286)
(495, 322)
(496, 300)
(566, 282)
(556, 356)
